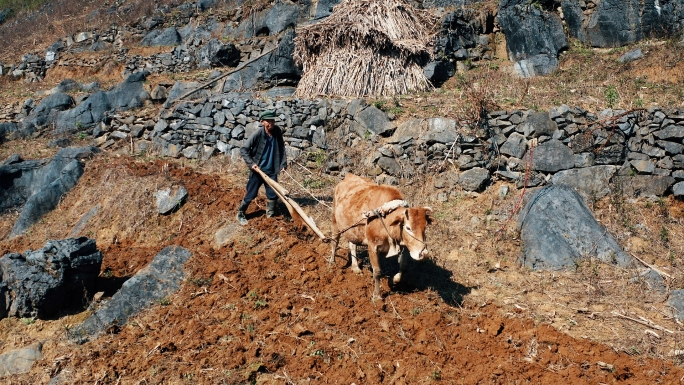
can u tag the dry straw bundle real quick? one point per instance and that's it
(366, 48)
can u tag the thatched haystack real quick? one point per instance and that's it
(366, 48)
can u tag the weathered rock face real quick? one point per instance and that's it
(127, 95)
(614, 23)
(217, 54)
(36, 186)
(533, 36)
(278, 66)
(158, 280)
(167, 202)
(557, 229)
(167, 37)
(60, 276)
(269, 22)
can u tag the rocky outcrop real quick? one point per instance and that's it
(60, 276)
(557, 230)
(275, 68)
(127, 95)
(152, 284)
(615, 23)
(534, 37)
(35, 187)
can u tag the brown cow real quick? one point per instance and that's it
(402, 226)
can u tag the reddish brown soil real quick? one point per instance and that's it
(267, 308)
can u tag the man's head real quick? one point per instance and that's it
(267, 118)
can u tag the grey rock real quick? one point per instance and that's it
(670, 132)
(375, 121)
(440, 130)
(474, 179)
(557, 229)
(678, 190)
(670, 147)
(21, 360)
(390, 166)
(591, 182)
(217, 54)
(38, 186)
(179, 88)
(57, 277)
(167, 202)
(532, 34)
(643, 185)
(538, 124)
(277, 65)
(167, 37)
(6, 129)
(161, 278)
(515, 145)
(159, 93)
(537, 65)
(551, 156)
(643, 166)
(632, 55)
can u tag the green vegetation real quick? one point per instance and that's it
(611, 96)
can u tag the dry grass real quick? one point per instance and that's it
(36, 30)
(366, 48)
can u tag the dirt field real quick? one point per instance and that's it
(265, 307)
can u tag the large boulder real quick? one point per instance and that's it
(532, 35)
(276, 65)
(36, 186)
(557, 230)
(269, 22)
(591, 182)
(158, 280)
(124, 96)
(217, 54)
(58, 277)
(6, 129)
(167, 37)
(551, 156)
(615, 23)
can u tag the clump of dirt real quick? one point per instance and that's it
(262, 303)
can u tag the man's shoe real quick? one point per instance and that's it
(270, 208)
(241, 218)
(241, 213)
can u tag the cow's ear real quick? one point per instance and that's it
(428, 215)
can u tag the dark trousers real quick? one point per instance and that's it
(255, 181)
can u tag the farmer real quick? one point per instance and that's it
(265, 150)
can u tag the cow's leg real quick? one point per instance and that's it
(375, 263)
(335, 242)
(354, 259)
(403, 262)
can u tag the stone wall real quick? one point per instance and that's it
(641, 152)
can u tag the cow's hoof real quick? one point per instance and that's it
(357, 270)
(397, 278)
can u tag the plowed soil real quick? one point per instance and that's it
(262, 304)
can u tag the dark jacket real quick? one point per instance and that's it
(253, 147)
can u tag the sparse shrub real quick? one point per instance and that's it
(611, 96)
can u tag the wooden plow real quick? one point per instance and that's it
(292, 206)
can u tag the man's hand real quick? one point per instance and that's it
(255, 167)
